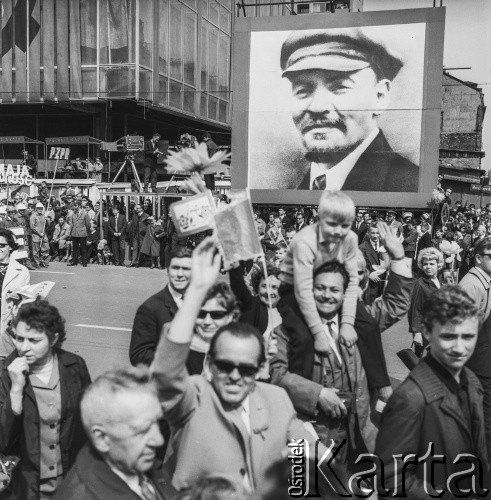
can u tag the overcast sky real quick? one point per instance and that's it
(467, 43)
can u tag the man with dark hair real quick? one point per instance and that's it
(477, 283)
(138, 230)
(211, 148)
(371, 251)
(150, 163)
(117, 229)
(300, 221)
(225, 423)
(437, 410)
(285, 220)
(160, 308)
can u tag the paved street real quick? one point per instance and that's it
(99, 303)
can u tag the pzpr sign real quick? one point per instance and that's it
(56, 153)
(15, 174)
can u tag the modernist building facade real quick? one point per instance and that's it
(106, 68)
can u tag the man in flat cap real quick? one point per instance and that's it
(341, 82)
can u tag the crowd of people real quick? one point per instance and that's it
(72, 229)
(227, 371)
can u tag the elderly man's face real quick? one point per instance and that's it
(234, 367)
(374, 234)
(134, 437)
(328, 294)
(335, 111)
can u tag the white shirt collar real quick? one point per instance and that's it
(336, 176)
(176, 296)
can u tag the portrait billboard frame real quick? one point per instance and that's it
(434, 22)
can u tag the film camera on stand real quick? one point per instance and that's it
(130, 144)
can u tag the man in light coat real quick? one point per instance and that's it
(40, 244)
(225, 422)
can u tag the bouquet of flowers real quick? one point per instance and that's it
(196, 162)
(438, 195)
(451, 250)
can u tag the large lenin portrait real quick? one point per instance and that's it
(341, 108)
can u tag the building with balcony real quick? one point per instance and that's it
(461, 129)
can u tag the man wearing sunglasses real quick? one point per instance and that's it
(477, 283)
(224, 423)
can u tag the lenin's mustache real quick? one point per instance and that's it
(309, 121)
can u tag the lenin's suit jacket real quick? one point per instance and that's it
(379, 168)
(91, 478)
(147, 326)
(205, 438)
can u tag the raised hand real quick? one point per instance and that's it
(205, 267)
(390, 240)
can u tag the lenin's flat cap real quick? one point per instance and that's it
(344, 50)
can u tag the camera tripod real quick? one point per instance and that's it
(128, 159)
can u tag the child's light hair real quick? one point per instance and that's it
(337, 205)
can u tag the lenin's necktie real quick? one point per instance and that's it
(148, 490)
(319, 182)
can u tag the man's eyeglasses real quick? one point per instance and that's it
(3, 245)
(213, 314)
(488, 255)
(228, 367)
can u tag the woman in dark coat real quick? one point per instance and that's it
(40, 390)
(430, 261)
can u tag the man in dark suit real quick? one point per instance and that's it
(117, 229)
(137, 232)
(300, 221)
(344, 148)
(285, 219)
(439, 407)
(211, 148)
(371, 252)
(160, 308)
(120, 413)
(150, 163)
(424, 240)
(359, 227)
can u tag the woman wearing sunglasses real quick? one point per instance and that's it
(218, 309)
(13, 276)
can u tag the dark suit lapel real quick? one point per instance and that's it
(169, 301)
(370, 171)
